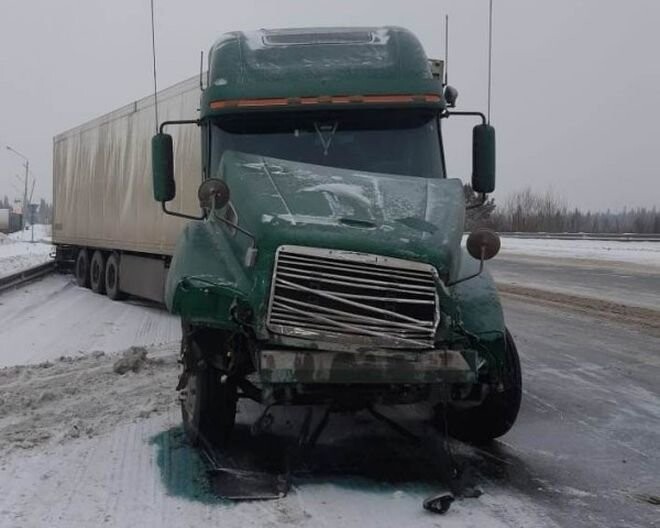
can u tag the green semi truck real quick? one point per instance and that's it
(320, 260)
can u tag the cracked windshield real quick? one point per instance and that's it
(405, 142)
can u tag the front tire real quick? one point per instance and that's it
(499, 410)
(208, 399)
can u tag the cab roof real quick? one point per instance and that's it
(278, 64)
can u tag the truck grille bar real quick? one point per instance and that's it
(334, 295)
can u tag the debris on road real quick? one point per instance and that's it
(438, 503)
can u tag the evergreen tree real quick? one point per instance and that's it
(477, 215)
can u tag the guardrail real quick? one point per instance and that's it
(17, 279)
(621, 237)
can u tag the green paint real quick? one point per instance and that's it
(480, 307)
(284, 202)
(269, 64)
(483, 159)
(162, 161)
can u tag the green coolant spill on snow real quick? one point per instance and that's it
(182, 470)
(183, 473)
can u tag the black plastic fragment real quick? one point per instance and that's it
(438, 503)
(237, 485)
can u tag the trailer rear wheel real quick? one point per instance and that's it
(498, 412)
(97, 272)
(112, 278)
(82, 268)
(208, 400)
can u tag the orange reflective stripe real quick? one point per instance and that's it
(326, 99)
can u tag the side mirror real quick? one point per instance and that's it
(483, 244)
(162, 166)
(483, 159)
(213, 190)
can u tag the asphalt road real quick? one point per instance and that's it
(586, 442)
(622, 283)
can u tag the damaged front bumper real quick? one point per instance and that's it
(441, 366)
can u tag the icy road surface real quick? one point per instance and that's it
(81, 445)
(625, 283)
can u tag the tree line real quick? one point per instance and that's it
(528, 211)
(524, 211)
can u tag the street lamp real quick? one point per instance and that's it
(27, 170)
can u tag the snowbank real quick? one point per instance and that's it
(53, 317)
(644, 253)
(69, 398)
(42, 233)
(17, 253)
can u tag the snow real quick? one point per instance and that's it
(642, 253)
(90, 434)
(123, 478)
(352, 192)
(54, 317)
(18, 253)
(84, 446)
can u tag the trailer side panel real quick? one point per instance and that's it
(102, 186)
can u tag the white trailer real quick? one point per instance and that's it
(105, 218)
(9, 221)
(4, 220)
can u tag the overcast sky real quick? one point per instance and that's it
(576, 84)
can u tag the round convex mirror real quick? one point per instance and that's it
(212, 190)
(483, 243)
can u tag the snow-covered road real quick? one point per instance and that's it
(84, 446)
(54, 317)
(81, 445)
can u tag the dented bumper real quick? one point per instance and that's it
(382, 367)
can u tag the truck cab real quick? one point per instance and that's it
(326, 264)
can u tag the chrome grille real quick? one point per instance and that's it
(352, 297)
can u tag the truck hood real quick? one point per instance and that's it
(285, 202)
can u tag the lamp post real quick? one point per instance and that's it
(27, 171)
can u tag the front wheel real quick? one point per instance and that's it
(499, 410)
(208, 399)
